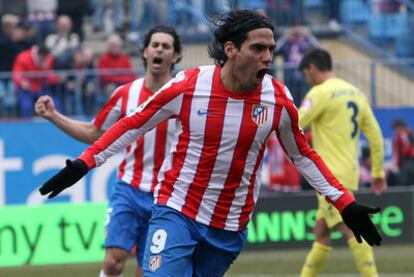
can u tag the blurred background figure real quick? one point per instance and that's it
(42, 16)
(115, 65)
(403, 144)
(77, 10)
(283, 175)
(9, 49)
(63, 38)
(291, 46)
(32, 77)
(76, 84)
(108, 16)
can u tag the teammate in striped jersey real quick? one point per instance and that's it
(130, 205)
(211, 178)
(337, 112)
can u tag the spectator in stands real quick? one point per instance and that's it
(76, 10)
(386, 6)
(114, 59)
(14, 38)
(64, 38)
(115, 11)
(365, 178)
(8, 51)
(16, 7)
(291, 46)
(79, 86)
(333, 7)
(403, 146)
(286, 13)
(133, 35)
(28, 79)
(42, 16)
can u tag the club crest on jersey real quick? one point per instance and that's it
(154, 262)
(259, 114)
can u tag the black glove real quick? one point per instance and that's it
(69, 175)
(356, 217)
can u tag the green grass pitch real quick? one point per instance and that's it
(392, 261)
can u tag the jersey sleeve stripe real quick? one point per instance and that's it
(107, 113)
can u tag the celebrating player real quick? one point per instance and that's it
(336, 111)
(130, 205)
(210, 180)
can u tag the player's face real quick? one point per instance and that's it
(310, 75)
(253, 59)
(160, 54)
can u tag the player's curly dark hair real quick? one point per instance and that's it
(318, 57)
(233, 26)
(167, 30)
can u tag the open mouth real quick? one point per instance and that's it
(261, 73)
(157, 60)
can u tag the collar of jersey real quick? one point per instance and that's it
(220, 86)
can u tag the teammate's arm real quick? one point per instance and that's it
(79, 130)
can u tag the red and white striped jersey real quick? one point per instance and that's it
(213, 171)
(143, 157)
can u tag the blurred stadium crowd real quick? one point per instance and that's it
(43, 50)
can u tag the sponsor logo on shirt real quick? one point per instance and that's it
(203, 112)
(155, 262)
(259, 114)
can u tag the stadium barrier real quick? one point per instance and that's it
(387, 83)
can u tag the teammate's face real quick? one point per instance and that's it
(253, 59)
(160, 54)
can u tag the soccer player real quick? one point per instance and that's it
(210, 181)
(130, 205)
(337, 112)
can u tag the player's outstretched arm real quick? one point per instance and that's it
(357, 217)
(77, 129)
(69, 175)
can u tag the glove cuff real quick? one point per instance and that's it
(89, 160)
(344, 201)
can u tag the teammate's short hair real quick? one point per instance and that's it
(167, 30)
(318, 57)
(233, 26)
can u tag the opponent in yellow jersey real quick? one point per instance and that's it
(337, 112)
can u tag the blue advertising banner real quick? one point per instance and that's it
(32, 151)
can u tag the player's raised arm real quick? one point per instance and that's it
(77, 129)
(162, 105)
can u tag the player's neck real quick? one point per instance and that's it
(155, 82)
(232, 82)
(325, 76)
